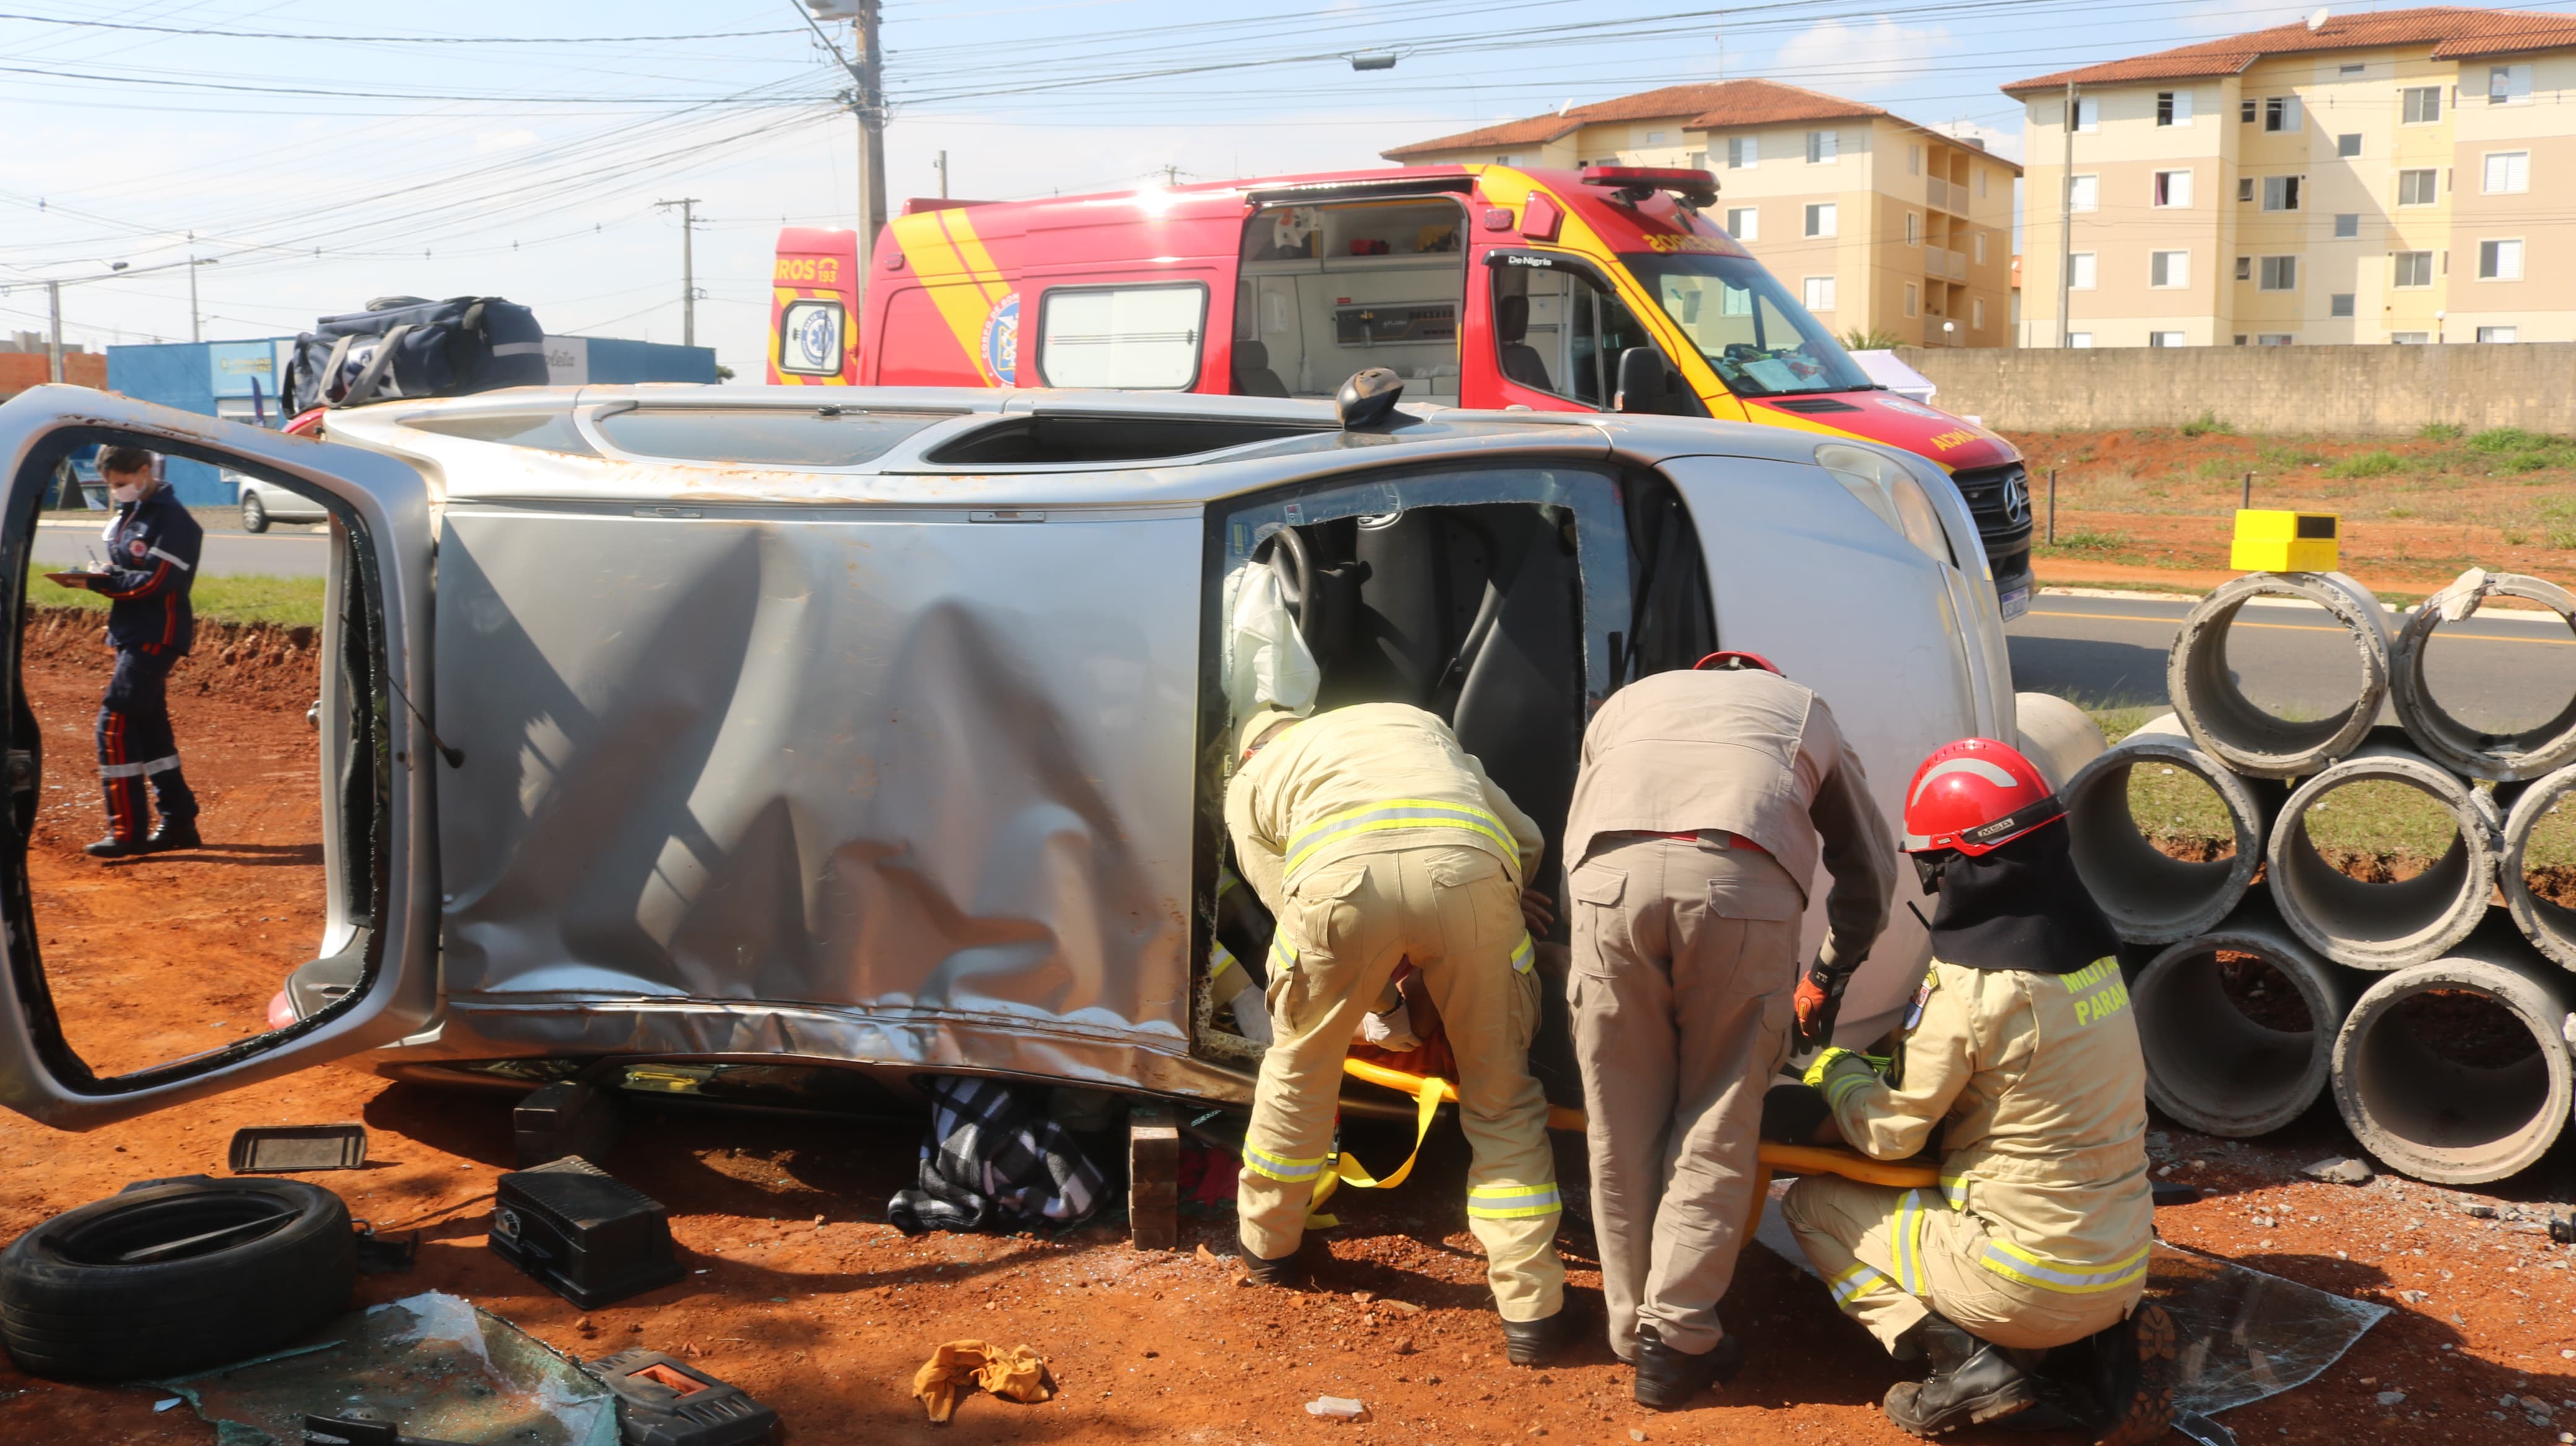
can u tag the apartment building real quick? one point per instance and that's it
(1879, 225)
(2370, 178)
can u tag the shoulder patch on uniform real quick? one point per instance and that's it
(1922, 997)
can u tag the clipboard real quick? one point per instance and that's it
(80, 580)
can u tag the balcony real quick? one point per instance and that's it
(1942, 265)
(1941, 195)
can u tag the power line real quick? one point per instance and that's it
(387, 39)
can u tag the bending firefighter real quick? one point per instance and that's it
(152, 546)
(2021, 1050)
(1374, 838)
(1704, 801)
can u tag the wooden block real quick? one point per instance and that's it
(1153, 1177)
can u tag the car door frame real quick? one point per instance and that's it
(384, 905)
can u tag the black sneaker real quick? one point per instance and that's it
(1668, 1380)
(1972, 1381)
(174, 833)
(2137, 1360)
(113, 847)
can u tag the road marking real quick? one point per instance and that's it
(2176, 624)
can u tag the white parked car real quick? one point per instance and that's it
(882, 729)
(265, 502)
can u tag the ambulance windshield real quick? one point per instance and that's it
(1761, 342)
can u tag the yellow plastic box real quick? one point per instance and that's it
(2269, 541)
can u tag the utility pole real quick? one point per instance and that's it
(867, 100)
(943, 175)
(1171, 176)
(688, 267)
(54, 351)
(2066, 228)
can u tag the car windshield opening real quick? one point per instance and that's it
(1761, 342)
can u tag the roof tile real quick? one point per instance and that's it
(2454, 32)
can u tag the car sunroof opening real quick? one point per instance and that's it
(1073, 439)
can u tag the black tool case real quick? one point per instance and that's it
(589, 1236)
(665, 1401)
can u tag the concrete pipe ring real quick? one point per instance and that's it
(2242, 734)
(2434, 1077)
(2212, 1063)
(2150, 896)
(2550, 927)
(2392, 925)
(2503, 757)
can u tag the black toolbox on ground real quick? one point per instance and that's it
(664, 1401)
(589, 1236)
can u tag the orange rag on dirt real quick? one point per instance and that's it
(1018, 1374)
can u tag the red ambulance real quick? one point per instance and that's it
(1483, 286)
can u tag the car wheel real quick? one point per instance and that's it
(254, 513)
(175, 1275)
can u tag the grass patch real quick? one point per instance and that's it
(2219, 469)
(2441, 431)
(2563, 538)
(2206, 425)
(2087, 540)
(2496, 440)
(2382, 819)
(2281, 458)
(285, 601)
(2367, 464)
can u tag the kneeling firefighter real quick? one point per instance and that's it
(2020, 1046)
(1374, 838)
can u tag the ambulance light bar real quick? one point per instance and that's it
(1691, 186)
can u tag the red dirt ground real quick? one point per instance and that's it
(800, 1293)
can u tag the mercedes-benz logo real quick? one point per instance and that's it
(2017, 497)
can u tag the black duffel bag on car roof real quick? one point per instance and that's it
(403, 346)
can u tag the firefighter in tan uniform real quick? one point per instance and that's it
(2021, 1051)
(1374, 838)
(1695, 832)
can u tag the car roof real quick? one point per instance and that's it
(742, 443)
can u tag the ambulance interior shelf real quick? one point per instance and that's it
(1328, 290)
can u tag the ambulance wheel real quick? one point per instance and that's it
(254, 513)
(174, 1276)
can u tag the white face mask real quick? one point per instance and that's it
(128, 492)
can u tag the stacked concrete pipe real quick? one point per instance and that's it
(2385, 926)
(2551, 928)
(2234, 729)
(2210, 1065)
(2150, 896)
(2439, 1119)
(2500, 757)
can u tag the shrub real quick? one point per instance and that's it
(2441, 431)
(2367, 464)
(2206, 424)
(1877, 338)
(2507, 439)
(2529, 461)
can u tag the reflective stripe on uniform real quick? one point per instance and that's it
(1954, 1189)
(2031, 1268)
(165, 557)
(1395, 814)
(1291, 1171)
(1905, 1251)
(138, 770)
(1840, 1084)
(1220, 959)
(1524, 955)
(1857, 1281)
(1282, 953)
(1513, 1202)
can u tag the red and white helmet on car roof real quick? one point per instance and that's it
(1976, 795)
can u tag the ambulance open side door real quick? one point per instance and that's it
(371, 976)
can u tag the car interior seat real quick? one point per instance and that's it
(1521, 361)
(1252, 374)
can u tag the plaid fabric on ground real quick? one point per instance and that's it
(995, 1161)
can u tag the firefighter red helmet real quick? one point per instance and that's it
(1976, 795)
(1735, 662)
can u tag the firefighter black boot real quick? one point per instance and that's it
(2136, 1361)
(174, 833)
(1971, 1381)
(1537, 1342)
(1668, 1380)
(1288, 1272)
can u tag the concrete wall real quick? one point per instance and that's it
(2341, 390)
(21, 370)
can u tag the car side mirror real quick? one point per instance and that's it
(1647, 382)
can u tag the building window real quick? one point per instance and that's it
(2245, 188)
(2499, 261)
(1743, 153)
(1977, 248)
(1744, 223)
(2350, 69)
(2079, 275)
(2240, 338)
(1913, 228)
(2079, 339)
(2281, 193)
(2414, 269)
(1820, 293)
(2245, 112)
(1823, 147)
(2423, 104)
(2173, 188)
(1981, 183)
(1977, 314)
(1914, 160)
(2271, 338)
(2416, 188)
(1654, 138)
(2508, 84)
(2084, 194)
(2508, 172)
(2279, 273)
(2088, 115)
(1820, 218)
(2347, 147)
(2173, 107)
(2339, 304)
(1699, 160)
(2499, 333)
(1913, 299)
(2165, 338)
(2244, 268)
(2169, 268)
(2348, 226)
(2410, 338)
(2281, 113)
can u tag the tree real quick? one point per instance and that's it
(1877, 338)
(723, 373)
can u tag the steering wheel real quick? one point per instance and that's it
(1287, 555)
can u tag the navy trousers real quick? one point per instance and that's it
(135, 743)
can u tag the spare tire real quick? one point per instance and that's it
(175, 1275)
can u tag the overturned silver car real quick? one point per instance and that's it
(883, 729)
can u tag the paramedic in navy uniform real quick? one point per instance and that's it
(152, 560)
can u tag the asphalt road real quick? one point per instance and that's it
(282, 551)
(2508, 669)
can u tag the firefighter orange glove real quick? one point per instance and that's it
(1818, 999)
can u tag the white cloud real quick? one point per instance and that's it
(1843, 59)
(491, 141)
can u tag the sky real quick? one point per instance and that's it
(318, 155)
